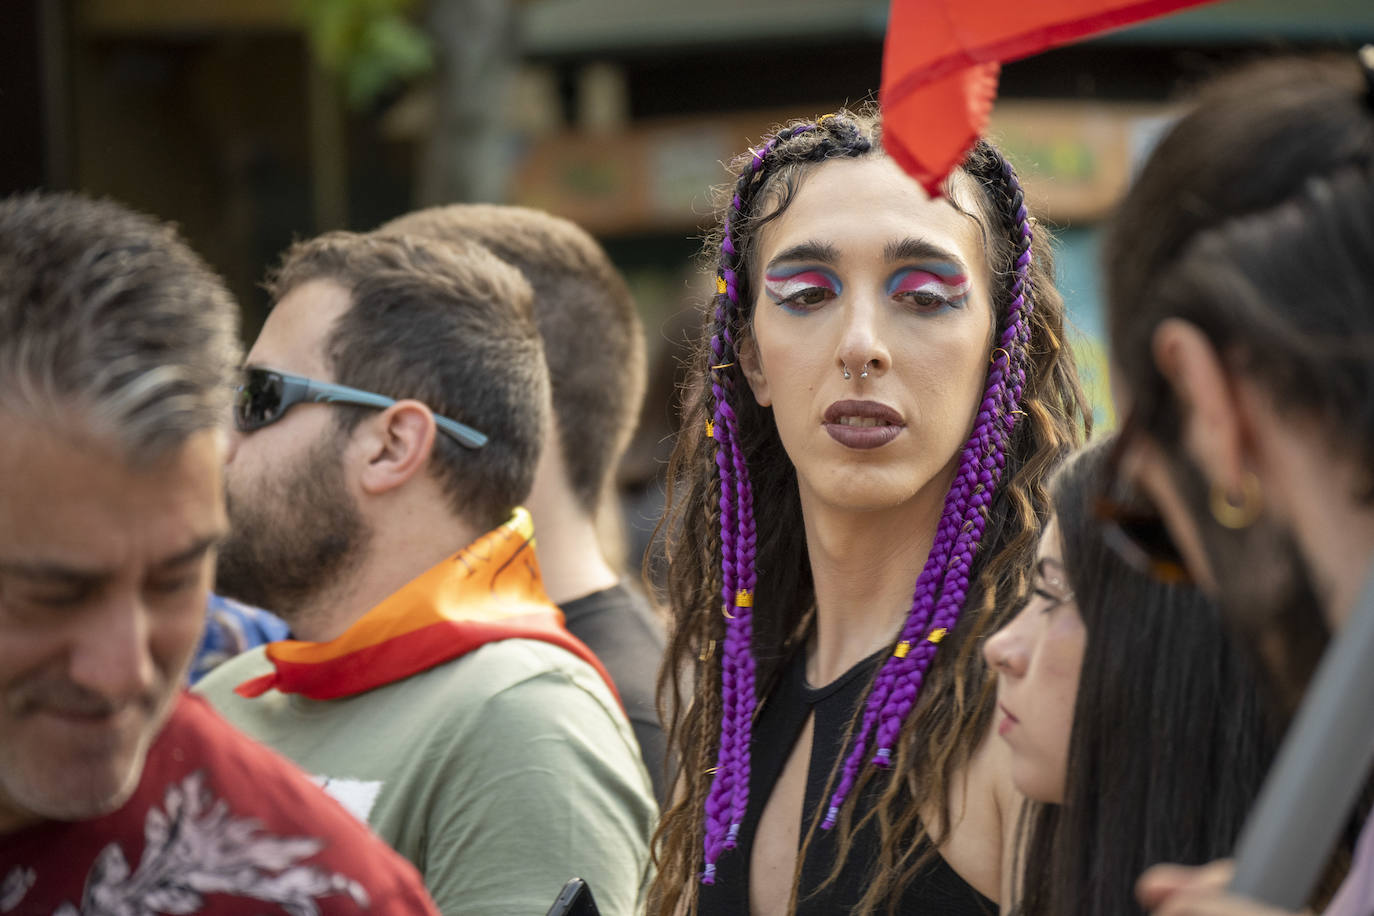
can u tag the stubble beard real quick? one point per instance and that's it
(292, 537)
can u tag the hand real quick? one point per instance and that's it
(1178, 890)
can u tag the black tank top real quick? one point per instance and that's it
(935, 891)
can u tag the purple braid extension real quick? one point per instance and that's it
(728, 799)
(746, 697)
(963, 521)
(719, 801)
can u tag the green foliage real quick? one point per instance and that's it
(369, 44)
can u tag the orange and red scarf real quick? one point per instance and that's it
(488, 591)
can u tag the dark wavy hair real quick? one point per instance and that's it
(1254, 220)
(734, 532)
(1172, 730)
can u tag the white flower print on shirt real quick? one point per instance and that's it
(194, 848)
(14, 887)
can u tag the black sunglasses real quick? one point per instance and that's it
(265, 397)
(1131, 525)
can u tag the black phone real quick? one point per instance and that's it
(575, 899)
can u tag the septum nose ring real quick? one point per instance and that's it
(844, 370)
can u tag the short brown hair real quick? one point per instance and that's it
(448, 325)
(593, 340)
(108, 314)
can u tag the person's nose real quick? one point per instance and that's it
(113, 654)
(862, 353)
(1005, 651)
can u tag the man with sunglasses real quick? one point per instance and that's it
(1241, 301)
(118, 792)
(389, 420)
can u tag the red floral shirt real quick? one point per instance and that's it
(218, 825)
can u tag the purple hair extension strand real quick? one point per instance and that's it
(746, 698)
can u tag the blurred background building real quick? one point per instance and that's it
(253, 122)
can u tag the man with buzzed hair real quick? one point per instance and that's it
(118, 793)
(594, 347)
(388, 429)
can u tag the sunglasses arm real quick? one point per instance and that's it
(325, 392)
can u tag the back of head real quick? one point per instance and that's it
(593, 341)
(1254, 220)
(1171, 733)
(110, 326)
(448, 325)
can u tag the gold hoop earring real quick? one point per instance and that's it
(1233, 515)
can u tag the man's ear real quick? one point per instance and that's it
(752, 366)
(399, 443)
(1214, 419)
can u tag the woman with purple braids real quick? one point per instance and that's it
(860, 485)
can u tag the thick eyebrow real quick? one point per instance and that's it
(822, 252)
(913, 249)
(42, 571)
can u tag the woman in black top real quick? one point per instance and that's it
(881, 390)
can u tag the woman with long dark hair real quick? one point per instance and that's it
(1138, 730)
(881, 391)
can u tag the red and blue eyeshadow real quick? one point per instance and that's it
(931, 287)
(798, 290)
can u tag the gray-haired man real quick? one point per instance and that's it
(118, 792)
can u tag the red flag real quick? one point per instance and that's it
(941, 60)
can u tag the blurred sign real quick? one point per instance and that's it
(650, 177)
(1075, 159)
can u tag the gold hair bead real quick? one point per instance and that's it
(902, 649)
(936, 635)
(708, 651)
(744, 598)
(720, 285)
(710, 429)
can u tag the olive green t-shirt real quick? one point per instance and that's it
(500, 774)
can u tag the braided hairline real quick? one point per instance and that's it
(727, 801)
